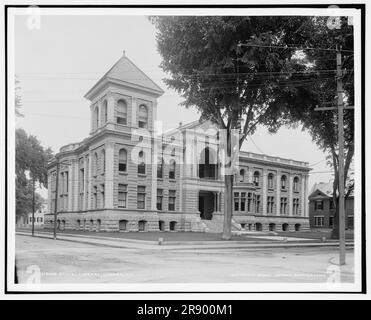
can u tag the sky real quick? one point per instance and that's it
(59, 62)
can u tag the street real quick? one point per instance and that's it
(71, 262)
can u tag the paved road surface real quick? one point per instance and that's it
(70, 262)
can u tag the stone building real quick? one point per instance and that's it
(128, 176)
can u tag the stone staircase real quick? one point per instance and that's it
(216, 225)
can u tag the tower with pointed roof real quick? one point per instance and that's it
(125, 97)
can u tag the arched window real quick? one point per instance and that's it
(256, 178)
(96, 118)
(172, 169)
(104, 111)
(96, 164)
(283, 182)
(143, 116)
(296, 184)
(141, 163)
(123, 160)
(122, 112)
(103, 161)
(242, 175)
(160, 168)
(207, 167)
(270, 180)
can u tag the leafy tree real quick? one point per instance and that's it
(232, 85)
(24, 196)
(323, 126)
(31, 157)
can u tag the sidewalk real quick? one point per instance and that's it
(183, 245)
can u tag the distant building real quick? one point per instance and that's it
(124, 177)
(322, 208)
(26, 221)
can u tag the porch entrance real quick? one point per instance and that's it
(206, 204)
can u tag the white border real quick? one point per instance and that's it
(193, 287)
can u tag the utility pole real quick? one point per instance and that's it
(56, 201)
(339, 85)
(33, 205)
(340, 108)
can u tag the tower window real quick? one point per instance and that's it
(122, 112)
(104, 112)
(142, 164)
(143, 117)
(122, 160)
(96, 118)
(103, 161)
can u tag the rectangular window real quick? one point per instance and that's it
(122, 167)
(350, 222)
(95, 199)
(122, 195)
(243, 201)
(102, 195)
(295, 206)
(171, 200)
(319, 221)
(159, 199)
(141, 197)
(331, 221)
(236, 201)
(270, 203)
(257, 204)
(331, 204)
(121, 120)
(283, 205)
(159, 169)
(318, 205)
(249, 199)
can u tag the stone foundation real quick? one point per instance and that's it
(125, 221)
(272, 223)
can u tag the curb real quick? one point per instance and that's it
(154, 246)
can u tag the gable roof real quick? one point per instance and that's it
(325, 188)
(126, 72)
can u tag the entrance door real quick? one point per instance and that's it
(206, 202)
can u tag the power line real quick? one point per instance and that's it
(292, 47)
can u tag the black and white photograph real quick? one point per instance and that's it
(185, 150)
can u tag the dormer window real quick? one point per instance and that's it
(143, 117)
(122, 112)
